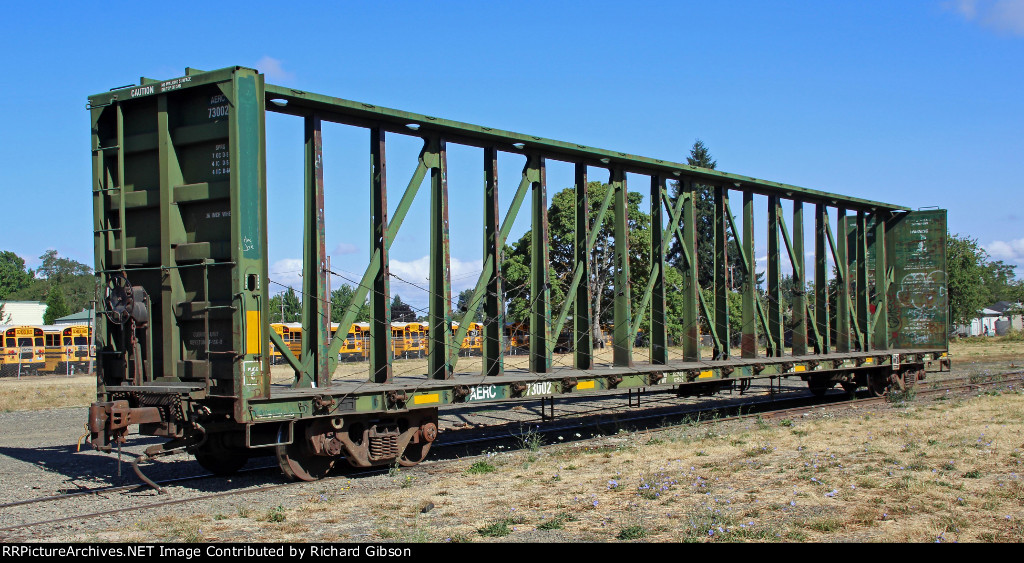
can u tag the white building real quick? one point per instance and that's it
(23, 312)
(996, 319)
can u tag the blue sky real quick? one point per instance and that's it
(915, 103)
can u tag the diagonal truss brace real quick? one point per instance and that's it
(531, 175)
(748, 271)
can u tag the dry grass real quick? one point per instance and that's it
(46, 391)
(928, 471)
(988, 349)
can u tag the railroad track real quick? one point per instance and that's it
(772, 407)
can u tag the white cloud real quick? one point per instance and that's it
(274, 69)
(287, 272)
(1001, 15)
(1008, 15)
(463, 274)
(1007, 251)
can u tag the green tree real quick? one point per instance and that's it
(74, 279)
(463, 303)
(13, 276)
(285, 307)
(59, 269)
(561, 235)
(700, 156)
(965, 270)
(401, 312)
(56, 306)
(340, 298)
(1001, 284)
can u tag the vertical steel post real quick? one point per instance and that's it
(821, 301)
(658, 340)
(540, 290)
(881, 317)
(862, 282)
(748, 345)
(722, 273)
(583, 332)
(691, 283)
(439, 342)
(103, 239)
(163, 131)
(315, 331)
(380, 353)
(622, 340)
(494, 302)
(800, 296)
(171, 289)
(774, 273)
(843, 340)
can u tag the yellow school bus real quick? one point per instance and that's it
(275, 354)
(292, 336)
(67, 348)
(355, 346)
(415, 340)
(22, 351)
(473, 343)
(399, 339)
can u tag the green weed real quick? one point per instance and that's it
(481, 467)
(632, 533)
(556, 523)
(276, 514)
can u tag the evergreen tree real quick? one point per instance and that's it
(700, 156)
(56, 306)
(401, 312)
(463, 303)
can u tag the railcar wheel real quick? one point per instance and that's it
(819, 387)
(414, 454)
(218, 458)
(879, 385)
(299, 463)
(417, 452)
